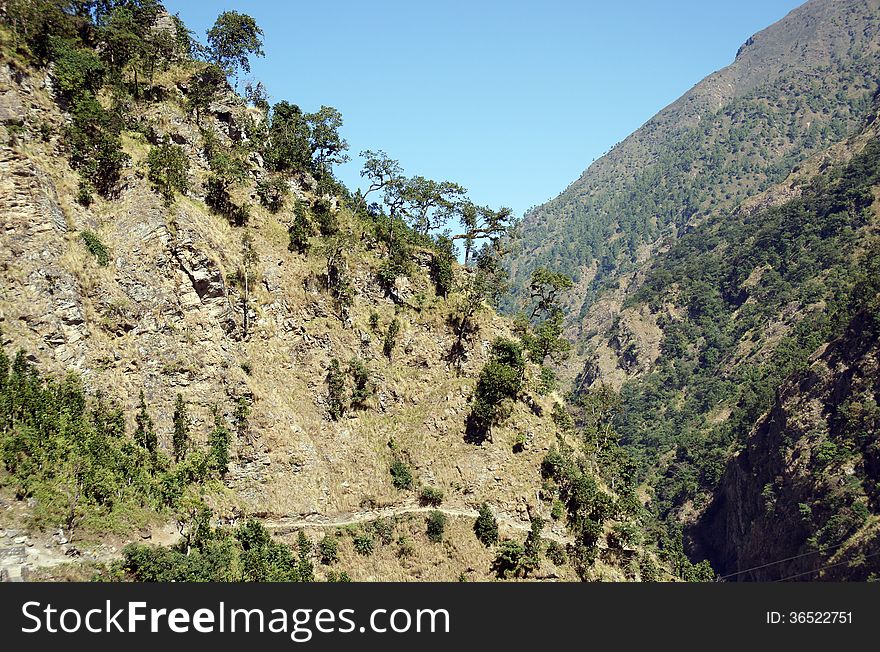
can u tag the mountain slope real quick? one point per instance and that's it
(793, 89)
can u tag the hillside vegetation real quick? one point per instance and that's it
(208, 338)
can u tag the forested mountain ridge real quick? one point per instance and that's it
(733, 251)
(793, 89)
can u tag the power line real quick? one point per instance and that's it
(804, 554)
(821, 568)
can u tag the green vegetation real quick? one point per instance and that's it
(436, 525)
(168, 170)
(207, 554)
(69, 451)
(97, 248)
(401, 475)
(499, 383)
(729, 278)
(430, 496)
(336, 403)
(486, 527)
(180, 437)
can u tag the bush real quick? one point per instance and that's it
(362, 386)
(430, 496)
(328, 225)
(168, 170)
(486, 527)
(442, 266)
(272, 191)
(401, 476)
(363, 544)
(97, 248)
(300, 230)
(500, 380)
(391, 338)
(436, 524)
(556, 553)
(328, 550)
(508, 558)
(384, 529)
(335, 391)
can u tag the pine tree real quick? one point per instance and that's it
(305, 569)
(486, 527)
(219, 443)
(180, 438)
(335, 390)
(145, 433)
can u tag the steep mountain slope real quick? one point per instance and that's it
(800, 500)
(746, 303)
(793, 89)
(716, 252)
(271, 333)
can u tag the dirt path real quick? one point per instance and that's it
(281, 525)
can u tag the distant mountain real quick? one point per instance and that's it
(793, 89)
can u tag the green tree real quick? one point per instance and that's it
(507, 559)
(390, 340)
(436, 525)
(180, 436)
(531, 557)
(233, 39)
(401, 476)
(301, 230)
(204, 87)
(326, 145)
(482, 222)
(380, 170)
(499, 383)
(168, 170)
(328, 550)
(288, 148)
(219, 441)
(429, 204)
(145, 433)
(336, 403)
(486, 527)
(362, 385)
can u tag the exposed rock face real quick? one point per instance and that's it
(165, 316)
(780, 491)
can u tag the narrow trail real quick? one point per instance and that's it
(287, 524)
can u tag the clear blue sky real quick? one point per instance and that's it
(511, 99)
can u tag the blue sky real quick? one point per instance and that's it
(511, 99)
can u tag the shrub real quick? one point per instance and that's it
(442, 266)
(374, 322)
(430, 496)
(300, 230)
(556, 553)
(436, 524)
(363, 544)
(507, 559)
(486, 527)
(272, 191)
(97, 248)
(391, 338)
(362, 386)
(328, 550)
(168, 169)
(401, 476)
(384, 529)
(342, 576)
(328, 225)
(335, 390)
(500, 380)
